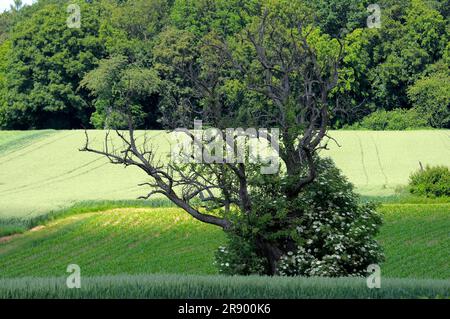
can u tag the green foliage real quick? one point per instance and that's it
(130, 27)
(413, 36)
(395, 120)
(44, 68)
(431, 182)
(174, 49)
(239, 257)
(430, 95)
(382, 64)
(5, 52)
(340, 16)
(120, 87)
(226, 17)
(387, 67)
(219, 287)
(323, 232)
(5, 22)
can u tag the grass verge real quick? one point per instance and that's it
(218, 287)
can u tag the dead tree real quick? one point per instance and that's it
(289, 75)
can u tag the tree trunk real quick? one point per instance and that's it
(272, 255)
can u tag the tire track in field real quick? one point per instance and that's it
(19, 143)
(34, 149)
(47, 180)
(386, 181)
(60, 178)
(57, 180)
(362, 159)
(33, 143)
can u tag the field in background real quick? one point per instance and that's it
(166, 240)
(41, 171)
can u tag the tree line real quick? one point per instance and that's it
(132, 52)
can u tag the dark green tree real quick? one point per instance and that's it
(120, 86)
(413, 35)
(47, 61)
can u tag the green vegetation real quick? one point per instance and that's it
(379, 163)
(70, 176)
(396, 120)
(160, 64)
(430, 94)
(416, 241)
(13, 225)
(165, 240)
(132, 241)
(220, 287)
(335, 236)
(29, 189)
(402, 65)
(431, 182)
(11, 141)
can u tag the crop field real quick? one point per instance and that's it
(416, 240)
(28, 188)
(132, 241)
(376, 162)
(79, 208)
(220, 287)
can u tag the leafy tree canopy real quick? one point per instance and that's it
(382, 68)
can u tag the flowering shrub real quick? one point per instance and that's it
(338, 244)
(239, 257)
(325, 231)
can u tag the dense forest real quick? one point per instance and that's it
(55, 76)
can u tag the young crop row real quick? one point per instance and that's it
(218, 287)
(166, 240)
(118, 241)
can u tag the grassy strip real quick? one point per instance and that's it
(404, 197)
(17, 225)
(217, 287)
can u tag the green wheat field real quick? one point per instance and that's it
(80, 209)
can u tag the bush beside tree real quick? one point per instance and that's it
(332, 233)
(431, 182)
